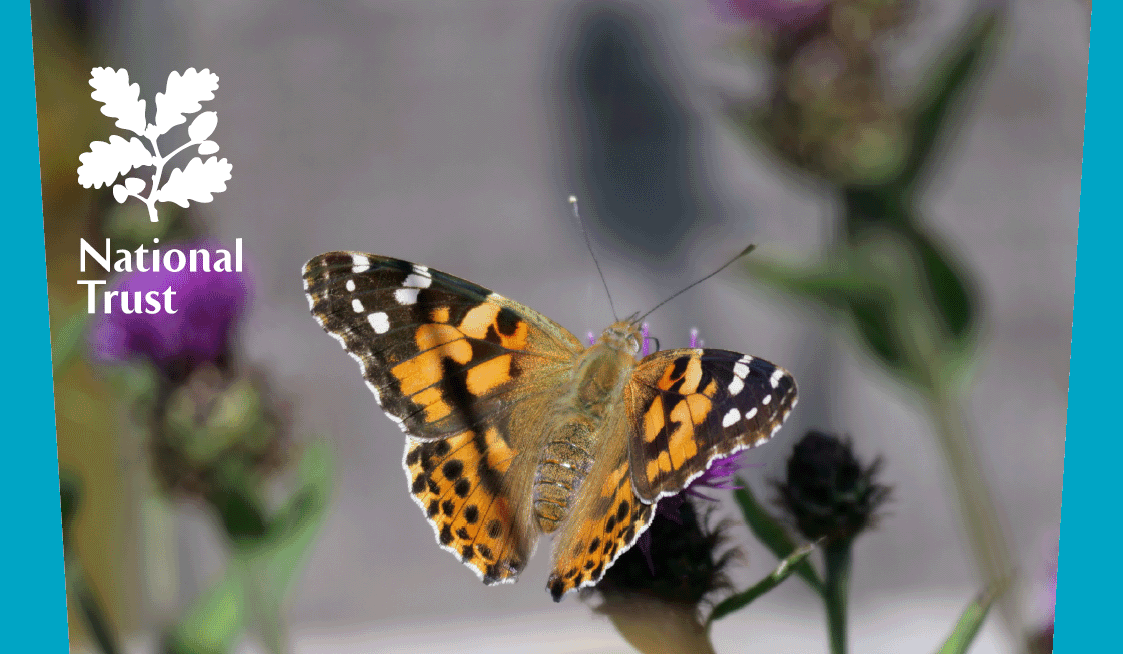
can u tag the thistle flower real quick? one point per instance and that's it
(207, 307)
(828, 493)
(215, 436)
(780, 15)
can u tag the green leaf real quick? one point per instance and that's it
(890, 282)
(742, 599)
(969, 624)
(240, 512)
(954, 297)
(214, 622)
(845, 284)
(772, 534)
(949, 78)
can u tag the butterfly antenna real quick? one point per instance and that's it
(752, 246)
(588, 244)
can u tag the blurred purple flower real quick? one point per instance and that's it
(207, 306)
(784, 15)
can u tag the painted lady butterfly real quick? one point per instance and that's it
(516, 429)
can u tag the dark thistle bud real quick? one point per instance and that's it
(827, 491)
(679, 564)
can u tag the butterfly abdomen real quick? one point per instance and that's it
(565, 462)
(569, 447)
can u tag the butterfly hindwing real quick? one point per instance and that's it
(466, 374)
(606, 520)
(469, 492)
(689, 407)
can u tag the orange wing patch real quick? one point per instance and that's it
(489, 375)
(615, 520)
(683, 376)
(489, 317)
(434, 342)
(457, 483)
(672, 419)
(473, 344)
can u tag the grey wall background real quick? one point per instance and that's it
(447, 133)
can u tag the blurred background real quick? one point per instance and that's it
(451, 134)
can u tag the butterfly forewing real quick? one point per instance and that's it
(440, 354)
(690, 407)
(467, 375)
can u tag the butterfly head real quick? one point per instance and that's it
(624, 336)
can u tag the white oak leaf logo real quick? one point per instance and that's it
(198, 181)
(182, 96)
(106, 161)
(121, 100)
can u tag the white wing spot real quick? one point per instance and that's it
(750, 414)
(406, 296)
(357, 306)
(421, 270)
(733, 416)
(359, 263)
(379, 321)
(736, 385)
(417, 281)
(776, 376)
(350, 286)
(767, 400)
(740, 369)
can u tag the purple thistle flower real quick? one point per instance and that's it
(781, 15)
(207, 305)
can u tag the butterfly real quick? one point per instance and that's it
(515, 429)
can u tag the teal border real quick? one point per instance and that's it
(1088, 600)
(34, 597)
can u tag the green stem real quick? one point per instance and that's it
(976, 502)
(836, 587)
(925, 355)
